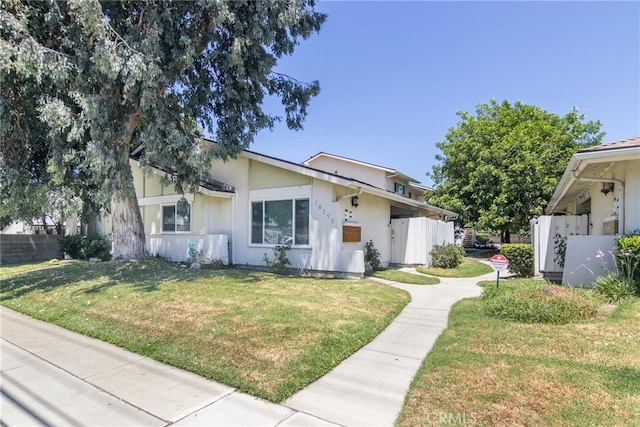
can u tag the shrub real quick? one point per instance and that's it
(520, 258)
(447, 256)
(85, 247)
(483, 238)
(542, 303)
(281, 261)
(372, 256)
(614, 287)
(559, 249)
(628, 258)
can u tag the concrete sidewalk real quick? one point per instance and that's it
(368, 389)
(51, 376)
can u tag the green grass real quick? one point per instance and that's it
(501, 373)
(468, 268)
(404, 277)
(263, 334)
(9, 270)
(537, 301)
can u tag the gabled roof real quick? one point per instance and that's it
(591, 162)
(220, 187)
(390, 171)
(345, 182)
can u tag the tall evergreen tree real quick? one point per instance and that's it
(85, 81)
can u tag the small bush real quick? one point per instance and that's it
(628, 258)
(483, 238)
(372, 256)
(213, 264)
(85, 247)
(281, 261)
(559, 249)
(447, 256)
(614, 287)
(540, 304)
(520, 258)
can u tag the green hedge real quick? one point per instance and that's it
(85, 247)
(520, 256)
(447, 256)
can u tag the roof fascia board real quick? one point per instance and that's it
(392, 172)
(201, 189)
(608, 155)
(346, 159)
(304, 170)
(410, 202)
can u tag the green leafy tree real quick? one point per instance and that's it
(499, 167)
(85, 82)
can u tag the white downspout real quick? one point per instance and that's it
(621, 186)
(233, 228)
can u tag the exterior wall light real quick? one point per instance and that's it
(607, 187)
(355, 201)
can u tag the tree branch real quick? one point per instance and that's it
(288, 77)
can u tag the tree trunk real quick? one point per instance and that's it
(127, 232)
(505, 236)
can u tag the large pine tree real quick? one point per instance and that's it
(85, 81)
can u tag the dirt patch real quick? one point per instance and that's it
(607, 309)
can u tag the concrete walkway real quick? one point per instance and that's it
(51, 376)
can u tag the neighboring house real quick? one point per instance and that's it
(37, 226)
(599, 196)
(251, 204)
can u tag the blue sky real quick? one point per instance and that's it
(394, 74)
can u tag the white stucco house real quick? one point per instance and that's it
(326, 208)
(597, 198)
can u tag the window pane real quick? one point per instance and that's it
(183, 216)
(302, 222)
(278, 222)
(256, 222)
(168, 218)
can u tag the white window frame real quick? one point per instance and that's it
(292, 194)
(175, 213)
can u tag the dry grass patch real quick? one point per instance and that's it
(501, 373)
(264, 334)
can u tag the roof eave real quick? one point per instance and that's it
(579, 161)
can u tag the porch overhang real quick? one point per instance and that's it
(595, 164)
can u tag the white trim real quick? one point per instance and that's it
(291, 199)
(164, 200)
(284, 193)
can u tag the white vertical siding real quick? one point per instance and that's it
(414, 238)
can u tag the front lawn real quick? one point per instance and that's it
(467, 268)
(404, 277)
(264, 334)
(490, 372)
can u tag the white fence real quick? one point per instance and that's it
(412, 239)
(545, 232)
